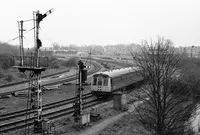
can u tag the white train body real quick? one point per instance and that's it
(104, 83)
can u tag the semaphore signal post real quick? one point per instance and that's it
(34, 101)
(80, 117)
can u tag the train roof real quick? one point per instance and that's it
(116, 72)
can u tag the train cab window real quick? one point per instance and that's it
(105, 81)
(94, 81)
(100, 81)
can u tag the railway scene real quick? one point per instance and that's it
(97, 68)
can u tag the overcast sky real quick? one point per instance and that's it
(86, 22)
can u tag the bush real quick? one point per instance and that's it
(6, 61)
(72, 62)
(9, 78)
(9, 49)
(1, 73)
(44, 62)
(54, 64)
(21, 75)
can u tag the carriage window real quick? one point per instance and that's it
(94, 81)
(100, 81)
(105, 81)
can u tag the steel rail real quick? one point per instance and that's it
(46, 107)
(69, 78)
(51, 116)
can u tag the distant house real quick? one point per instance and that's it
(46, 52)
(70, 51)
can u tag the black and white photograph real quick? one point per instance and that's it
(100, 67)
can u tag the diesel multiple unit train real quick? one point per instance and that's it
(105, 83)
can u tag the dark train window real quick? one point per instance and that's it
(100, 81)
(94, 81)
(105, 81)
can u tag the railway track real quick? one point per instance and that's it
(62, 80)
(21, 82)
(17, 120)
(46, 107)
(22, 122)
(69, 78)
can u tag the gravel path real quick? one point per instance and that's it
(96, 129)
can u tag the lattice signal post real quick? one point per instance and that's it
(35, 92)
(78, 105)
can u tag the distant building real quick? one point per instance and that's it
(190, 51)
(46, 53)
(70, 51)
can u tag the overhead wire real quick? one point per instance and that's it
(19, 28)
(18, 36)
(89, 57)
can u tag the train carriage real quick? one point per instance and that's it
(105, 83)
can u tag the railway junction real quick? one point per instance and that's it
(34, 106)
(49, 109)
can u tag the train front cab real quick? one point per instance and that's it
(101, 85)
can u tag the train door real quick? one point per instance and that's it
(99, 83)
(106, 84)
(94, 83)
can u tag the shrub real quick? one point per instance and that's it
(1, 73)
(6, 61)
(21, 75)
(72, 62)
(9, 78)
(54, 64)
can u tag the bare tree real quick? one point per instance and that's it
(167, 100)
(56, 46)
